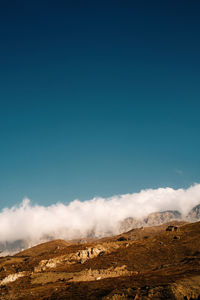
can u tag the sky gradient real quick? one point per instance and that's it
(97, 98)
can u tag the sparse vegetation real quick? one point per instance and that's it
(160, 262)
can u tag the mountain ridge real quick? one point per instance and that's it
(153, 219)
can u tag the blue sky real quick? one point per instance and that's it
(97, 98)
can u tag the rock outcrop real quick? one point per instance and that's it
(194, 214)
(153, 219)
(158, 218)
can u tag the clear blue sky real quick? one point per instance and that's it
(98, 98)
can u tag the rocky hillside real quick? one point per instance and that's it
(158, 218)
(153, 219)
(194, 214)
(159, 262)
(162, 217)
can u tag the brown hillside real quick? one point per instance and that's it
(145, 263)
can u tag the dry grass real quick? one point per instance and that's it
(148, 263)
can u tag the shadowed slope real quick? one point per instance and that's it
(146, 263)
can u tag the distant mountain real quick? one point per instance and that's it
(9, 248)
(162, 217)
(194, 214)
(153, 219)
(130, 223)
(127, 224)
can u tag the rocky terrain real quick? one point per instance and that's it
(159, 262)
(153, 219)
(158, 218)
(194, 214)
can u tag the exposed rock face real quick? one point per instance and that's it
(78, 257)
(12, 278)
(154, 219)
(158, 218)
(194, 214)
(130, 223)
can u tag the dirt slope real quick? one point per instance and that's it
(145, 263)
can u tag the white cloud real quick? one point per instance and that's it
(76, 219)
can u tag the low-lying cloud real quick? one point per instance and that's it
(98, 215)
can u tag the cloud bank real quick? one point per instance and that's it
(98, 215)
